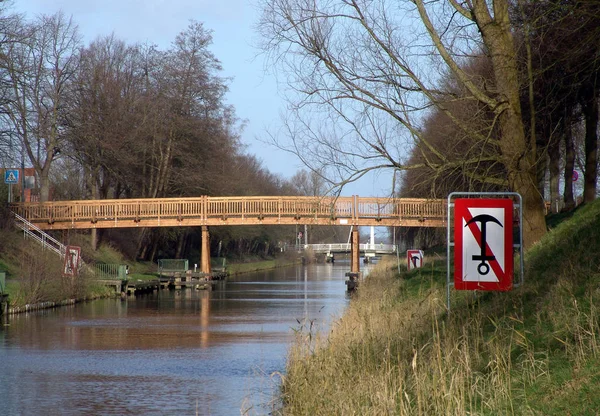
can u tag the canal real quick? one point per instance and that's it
(172, 352)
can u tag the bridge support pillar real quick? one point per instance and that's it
(355, 252)
(354, 274)
(205, 251)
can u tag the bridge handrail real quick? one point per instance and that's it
(321, 247)
(344, 210)
(107, 271)
(173, 265)
(41, 236)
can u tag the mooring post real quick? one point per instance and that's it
(205, 251)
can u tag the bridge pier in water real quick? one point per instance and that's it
(354, 274)
(205, 251)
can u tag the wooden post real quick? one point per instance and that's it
(205, 251)
(355, 252)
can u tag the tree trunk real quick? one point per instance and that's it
(143, 246)
(569, 167)
(534, 226)
(518, 154)
(542, 167)
(181, 244)
(590, 110)
(44, 187)
(554, 168)
(93, 184)
(154, 250)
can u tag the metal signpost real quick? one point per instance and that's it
(484, 245)
(11, 177)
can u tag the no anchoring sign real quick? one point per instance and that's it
(414, 259)
(483, 235)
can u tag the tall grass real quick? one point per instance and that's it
(396, 350)
(40, 279)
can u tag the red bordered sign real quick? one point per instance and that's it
(72, 259)
(414, 259)
(483, 240)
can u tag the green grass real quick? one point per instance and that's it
(12, 288)
(239, 268)
(143, 276)
(3, 266)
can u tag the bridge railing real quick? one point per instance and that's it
(107, 271)
(205, 210)
(46, 240)
(173, 265)
(346, 247)
(400, 208)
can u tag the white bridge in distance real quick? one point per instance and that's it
(368, 250)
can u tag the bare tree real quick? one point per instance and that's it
(563, 39)
(40, 65)
(104, 114)
(309, 183)
(186, 110)
(10, 33)
(373, 67)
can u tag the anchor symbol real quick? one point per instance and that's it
(414, 260)
(483, 268)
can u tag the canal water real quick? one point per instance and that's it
(172, 352)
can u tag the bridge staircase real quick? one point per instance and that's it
(108, 274)
(46, 240)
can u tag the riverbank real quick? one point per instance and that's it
(534, 350)
(95, 291)
(260, 265)
(42, 286)
(12, 307)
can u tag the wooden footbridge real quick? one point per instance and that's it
(208, 211)
(211, 211)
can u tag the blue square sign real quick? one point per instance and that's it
(11, 176)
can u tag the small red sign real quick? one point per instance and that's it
(72, 259)
(483, 238)
(414, 259)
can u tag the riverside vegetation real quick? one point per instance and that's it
(396, 350)
(35, 275)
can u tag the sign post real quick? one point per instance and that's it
(11, 176)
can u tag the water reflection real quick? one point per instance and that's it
(172, 352)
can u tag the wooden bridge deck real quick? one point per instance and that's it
(213, 211)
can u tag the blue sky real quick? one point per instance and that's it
(253, 89)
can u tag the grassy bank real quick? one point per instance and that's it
(257, 265)
(533, 351)
(35, 275)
